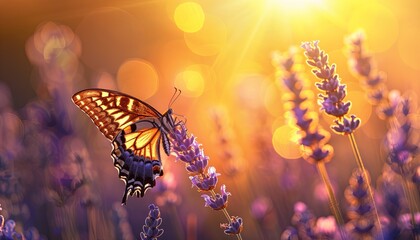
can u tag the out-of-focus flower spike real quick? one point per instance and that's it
(151, 225)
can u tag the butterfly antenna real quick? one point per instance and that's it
(174, 97)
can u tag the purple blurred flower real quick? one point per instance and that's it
(8, 232)
(304, 221)
(260, 207)
(360, 210)
(289, 234)
(234, 227)
(326, 227)
(33, 234)
(406, 224)
(401, 143)
(362, 65)
(219, 201)
(151, 225)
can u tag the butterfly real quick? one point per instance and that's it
(136, 131)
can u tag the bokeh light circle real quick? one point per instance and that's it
(284, 142)
(210, 39)
(137, 77)
(192, 80)
(189, 17)
(379, 23)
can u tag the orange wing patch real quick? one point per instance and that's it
(144, 143)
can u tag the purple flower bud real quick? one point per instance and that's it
(207, 182)
(219, 201)
(234, 227)
(347, 126)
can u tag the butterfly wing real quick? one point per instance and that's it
(112, 111)
(135, 129)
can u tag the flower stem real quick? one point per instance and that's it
(361, 166)
(225, 212)
(333, 201)
(411, 203)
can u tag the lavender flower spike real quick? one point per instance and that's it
(219, 201)
(188, 150)
(151, 225)
(333, 92)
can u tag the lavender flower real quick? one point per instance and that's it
(151, 229)
(234, 227)
(332, 98)
(347, 126)
(205, 182)
(218, 201)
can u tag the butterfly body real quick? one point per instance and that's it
(136, 131)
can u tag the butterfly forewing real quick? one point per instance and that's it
(112, 111)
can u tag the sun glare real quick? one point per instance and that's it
(294, 5)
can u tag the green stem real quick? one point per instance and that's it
(361, 166)
(411, 202)
(333, 201)
(225, 212)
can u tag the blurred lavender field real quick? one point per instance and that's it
(305, 153)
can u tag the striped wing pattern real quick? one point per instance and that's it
(112, 111)
(135, 131)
